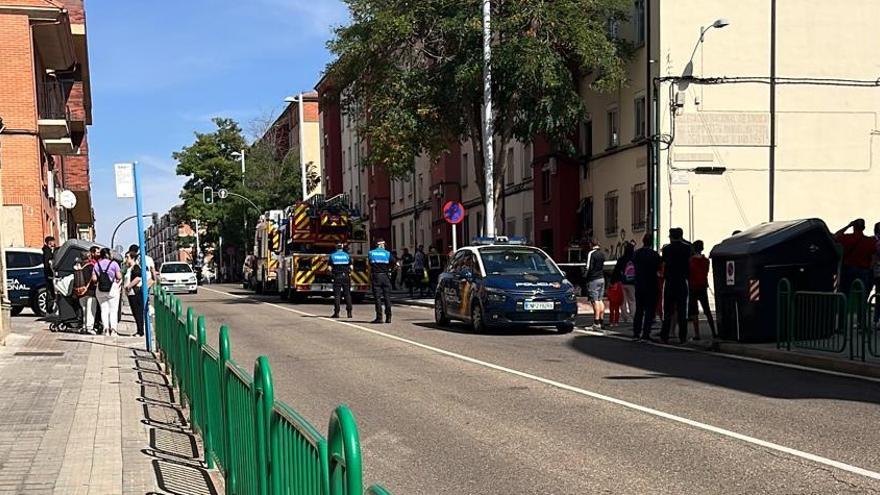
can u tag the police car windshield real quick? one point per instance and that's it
(175, 268)
(516, 261)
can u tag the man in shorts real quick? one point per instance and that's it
(594, 275)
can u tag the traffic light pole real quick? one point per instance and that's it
(145, 289)
(113, 237)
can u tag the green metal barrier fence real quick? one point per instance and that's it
(262, 446)
(826, 321)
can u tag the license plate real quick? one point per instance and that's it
(538, 305)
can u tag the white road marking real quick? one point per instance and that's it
(595, 395)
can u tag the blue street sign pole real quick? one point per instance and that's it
(145, 290)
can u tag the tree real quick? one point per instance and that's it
(415, 71)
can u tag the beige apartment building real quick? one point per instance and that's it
(710, 170)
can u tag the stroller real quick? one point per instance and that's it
(68, 316)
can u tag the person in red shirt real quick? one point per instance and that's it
(698, 281)
(858, 254)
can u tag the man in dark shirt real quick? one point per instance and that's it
(594, 275)
(676, 271)
(647, 264)
(49, 272)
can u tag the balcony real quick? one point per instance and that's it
(61, 134)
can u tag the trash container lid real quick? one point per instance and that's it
(767, 235)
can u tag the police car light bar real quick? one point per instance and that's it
(491, 241)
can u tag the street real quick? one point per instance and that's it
(534, 412)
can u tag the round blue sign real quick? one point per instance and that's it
(453, 212)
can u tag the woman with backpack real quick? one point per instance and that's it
(625, 273)
(106, 276)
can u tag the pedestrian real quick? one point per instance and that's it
(418, 271)
(151, 274)
(80, 287)
(406, 264)
(133, 289)
(876, 271)
(435, 268)
(676, 270)
(646, 262)
(340, 263)
(594, 276)
(625, 273)
(379, 268)
(615, 302)
(698, 283)
(49, 272)
(107, 276)
(395, 269)
(858, 255)
(90, 299)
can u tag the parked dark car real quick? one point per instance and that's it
(25, 281)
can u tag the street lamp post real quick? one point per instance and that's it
(488, 124)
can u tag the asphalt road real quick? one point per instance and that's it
(532, 412)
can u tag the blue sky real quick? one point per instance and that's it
(160, 73)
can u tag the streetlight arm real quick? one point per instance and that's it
(113, 237)
(244, 198)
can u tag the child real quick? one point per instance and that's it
(615, 300)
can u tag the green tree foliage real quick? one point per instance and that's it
(415, 71)
(271, 182)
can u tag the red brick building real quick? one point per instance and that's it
(45, 105)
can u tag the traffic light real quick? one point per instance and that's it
(208, 195)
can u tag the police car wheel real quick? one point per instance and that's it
(565, 328)
(440, 317)
(477, 321)
(16, 310)
(40, 305)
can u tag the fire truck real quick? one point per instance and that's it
(267, 253)
(310, 232)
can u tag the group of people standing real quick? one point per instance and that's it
(99, 284)
(679, 272)
(418, 271)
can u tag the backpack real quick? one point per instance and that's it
(629, 272)
(80, 283)
(105, 284)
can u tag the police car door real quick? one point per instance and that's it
(24, 273)
(448, 285)
(463, 284)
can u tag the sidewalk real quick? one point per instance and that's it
(83, 414)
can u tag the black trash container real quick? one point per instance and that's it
(748, 267)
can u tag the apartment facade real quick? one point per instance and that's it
(45, 105)
(709, 171)
(170, 240)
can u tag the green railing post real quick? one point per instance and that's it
(264, 398)
(783, 314)
(207, 427)
(344, 451)
(225, 356)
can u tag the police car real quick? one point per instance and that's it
(25, 281)
(502, 282)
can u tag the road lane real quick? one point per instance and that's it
(490, 433)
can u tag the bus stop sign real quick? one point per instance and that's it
(453, 212)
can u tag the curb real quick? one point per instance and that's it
(799, 359)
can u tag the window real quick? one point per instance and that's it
(478, 230)
(613, 29)
(639, 22)
(421, 185)
(611, 213)
(17, 259)
(585, 143)
(409, 185)
(613, 122)
(639, 117)
(528, 157)
(510, 228)
(639, 207)
(465, 170)
(393, 237)
(527, 227)
(545, 183)
(412, 233)
(510, 172)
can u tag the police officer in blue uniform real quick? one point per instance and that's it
(380, 268)
(340, 263)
